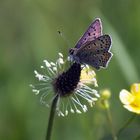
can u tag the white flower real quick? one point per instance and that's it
(69, 85)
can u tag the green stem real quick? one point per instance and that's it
(111, 124)
(126, 124)
(51, 118)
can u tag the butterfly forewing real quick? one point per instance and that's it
(93, 32)
(100, 44)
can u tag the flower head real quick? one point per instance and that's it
(131, 100)
(88, 76)
(68, 84)
(105, 94)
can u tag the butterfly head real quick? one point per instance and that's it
(71, 51)
(72, 55)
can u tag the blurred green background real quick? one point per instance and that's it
(28, 35)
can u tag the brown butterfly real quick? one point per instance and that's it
(93, 48)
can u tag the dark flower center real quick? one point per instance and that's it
(67, 82)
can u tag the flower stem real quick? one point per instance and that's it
(111, 124)
(126, 124)
(51, 118)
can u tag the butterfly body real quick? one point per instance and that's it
(93, 47)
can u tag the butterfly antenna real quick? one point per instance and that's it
(64, 38)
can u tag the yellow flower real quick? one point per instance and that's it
(131, 100)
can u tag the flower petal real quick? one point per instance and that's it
(135, 89)
(134, 109)
(126, 97)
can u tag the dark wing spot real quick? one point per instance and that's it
(102, 41)
(89, 34)
(93, 27)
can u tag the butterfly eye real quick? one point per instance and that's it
(71, 51)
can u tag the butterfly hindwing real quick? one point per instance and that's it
(93, 32)
(103, 58)
(95, 53)
(96, 60)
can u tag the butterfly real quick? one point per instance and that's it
(93, 48)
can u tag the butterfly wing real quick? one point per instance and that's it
(98, 60)
(93, 32)
(96, 53)
(102, 60)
